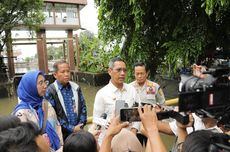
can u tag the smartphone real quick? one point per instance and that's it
(118, 105)
(129, 114)
(132, 114)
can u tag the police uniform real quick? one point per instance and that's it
(150, 92)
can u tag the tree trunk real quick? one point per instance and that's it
(10, 55)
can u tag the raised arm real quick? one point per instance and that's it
(149, 121)
(114, 128)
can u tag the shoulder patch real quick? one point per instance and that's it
(160, 92)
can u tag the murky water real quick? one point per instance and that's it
(7, 104)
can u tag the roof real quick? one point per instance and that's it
(82, 2)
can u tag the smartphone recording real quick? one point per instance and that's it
(129, 114)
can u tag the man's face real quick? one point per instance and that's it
(140, 74)
(63, 73)
(118, 73)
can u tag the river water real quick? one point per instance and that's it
(89, 92)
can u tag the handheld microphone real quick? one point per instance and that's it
(126, 105)
(101, 121)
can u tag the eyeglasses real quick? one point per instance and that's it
(42, 82)
(120, 69)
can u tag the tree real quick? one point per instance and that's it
(170, 32)
(211, 5)
(15, 13)
(94, 53)
(55, 53)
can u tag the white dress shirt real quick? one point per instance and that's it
(107, 96)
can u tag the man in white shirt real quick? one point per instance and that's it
(115, 91)
(148, 91)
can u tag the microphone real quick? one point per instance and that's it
(126, 105)
(100, 121)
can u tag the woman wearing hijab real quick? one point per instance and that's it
(31, 90)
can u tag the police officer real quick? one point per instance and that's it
(148, 91)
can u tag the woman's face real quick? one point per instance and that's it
(41, 85)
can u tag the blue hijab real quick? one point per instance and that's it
(28, 94)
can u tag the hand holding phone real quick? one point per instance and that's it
(132, 114)
(129, 114)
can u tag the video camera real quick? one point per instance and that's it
(208, 97)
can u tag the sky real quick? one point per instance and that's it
(88, 17)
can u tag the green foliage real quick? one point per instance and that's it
(54, 52)
(180, 54)
(15, 13)
(172, 33)
(94, 55)
(185, 45)
(211, 5)
(28, 59)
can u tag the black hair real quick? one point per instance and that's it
(20, 139)
(9, 121)
(82, 141)
(141, 64)
(56, 64)
(113, 60)
(206, 141)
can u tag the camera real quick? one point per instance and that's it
(210, 96)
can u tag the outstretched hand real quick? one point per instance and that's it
(148, 117)
(115, 126)
(149, 120)
(77, 127)
(95, 132)
(113, 129)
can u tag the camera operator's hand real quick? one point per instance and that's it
(182, 133)
(190, 123)
(197, 71)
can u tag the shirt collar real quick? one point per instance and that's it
(60, 86)
(137, 85)
(115, 89)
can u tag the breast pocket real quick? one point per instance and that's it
(110, 109)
